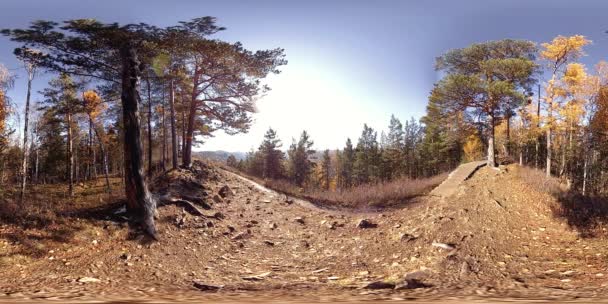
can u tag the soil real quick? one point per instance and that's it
(496, 239)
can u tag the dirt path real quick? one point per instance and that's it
(448, 187)
(494, 238)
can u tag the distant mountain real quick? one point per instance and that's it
(219, 155)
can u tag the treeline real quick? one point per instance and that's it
(127, 99)
(503, 101)
(400, 151)
(537, 106)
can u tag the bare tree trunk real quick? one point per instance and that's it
(104, 155)
(549, 133)
(30, 76)
(36, 166)
(139, 201)
(491, 150)
(149, 127)
(508, 141)
(164, 125)
(70, 154)
(584, 175)
(183, 125)
(172, 121)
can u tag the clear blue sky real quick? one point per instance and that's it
(350, 62)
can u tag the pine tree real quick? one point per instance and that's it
(271, 155)
(367, 157)
(347, 165)
(60, 99)
(394, 150)
(299, 159)
(326, 169)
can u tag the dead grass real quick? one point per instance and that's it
(588, 214)
(48, 216)
(364, 197)
(368, 196)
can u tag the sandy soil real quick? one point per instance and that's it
(495, 240)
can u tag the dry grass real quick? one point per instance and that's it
(364, 197)
(539, 181)
(368, 196)
(588, 214)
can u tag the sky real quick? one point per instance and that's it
(350, 62)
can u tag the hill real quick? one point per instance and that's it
(219, 155)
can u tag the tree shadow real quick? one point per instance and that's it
(587, 214)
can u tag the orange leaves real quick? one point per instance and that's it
(92, 103)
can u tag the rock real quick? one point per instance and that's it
(125, 256)
(408, 237)
(240, 236)
(258, 277)
(206, 287)
(225, 191)
(218, 215)
(365, 223)
(379, 285)
(88, 280)
(444, 246)
(269, 243)
(266, 201)
(414, 280)
(217, 199)
(299, 219)
(273, 226)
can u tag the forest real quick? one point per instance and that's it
(492, 104)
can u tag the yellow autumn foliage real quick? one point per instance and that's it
(562, 49)
(473, 148)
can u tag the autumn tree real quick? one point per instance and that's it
(93, 107)
(557, 54)
(487, 78)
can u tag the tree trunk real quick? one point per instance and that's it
(187, 156)
(183, 125)
(140, 203)
(508, 135)
(491, 150)
(149, 127)
(30, 77)
(585, 175)
(70, 154)
(548, 169)
(104, 155)
(164, 164)
(172, 121)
